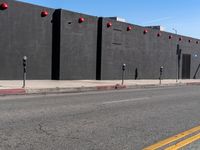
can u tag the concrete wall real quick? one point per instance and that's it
(25, 32)
(78, 46)
(146, 52)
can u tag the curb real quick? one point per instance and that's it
(12, 92)
(21, 91)
(193, 83)
(97, 88)
(75, 90)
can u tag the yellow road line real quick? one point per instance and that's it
(184, 142)
(172, 139)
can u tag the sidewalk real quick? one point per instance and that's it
(9, 87)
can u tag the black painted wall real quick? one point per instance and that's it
(60, 47)
(25, 32)
(146, 52)
(78, 46)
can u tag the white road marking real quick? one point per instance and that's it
(126, 100)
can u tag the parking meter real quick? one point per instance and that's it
(161, 71)
(24, 70)
(123, 70)
(124, 67)
(24, 63)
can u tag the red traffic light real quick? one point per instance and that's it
(109, 24)
(81, 20)
(4, 6)
(44, 13)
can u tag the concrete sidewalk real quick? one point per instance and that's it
(8, 87)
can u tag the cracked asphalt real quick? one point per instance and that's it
(111, 120)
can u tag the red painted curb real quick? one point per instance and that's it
(12, 91)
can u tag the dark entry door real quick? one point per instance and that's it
(186, 61)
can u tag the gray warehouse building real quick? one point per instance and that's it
(65, 45)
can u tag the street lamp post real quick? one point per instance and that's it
(177, 64)
(174, 30)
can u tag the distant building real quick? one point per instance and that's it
(118, 19)
(161, 28)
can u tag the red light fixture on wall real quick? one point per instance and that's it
(129, 28)
(159, 34)
(189, 41)
(197, 42)
(4, 6)
(180, 39)
(170, 37)
(145, 31)
(81, 20)
(109, 24)
(44, 13)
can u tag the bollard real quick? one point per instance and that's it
(24, 71)
(123, 72)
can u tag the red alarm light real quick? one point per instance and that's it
(4, 6)
(109, 24)
(81, 20)
(129, 28)
(145, 31)
(44, 13)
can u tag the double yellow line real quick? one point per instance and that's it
(175, 138)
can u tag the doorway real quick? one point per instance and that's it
(186, 62)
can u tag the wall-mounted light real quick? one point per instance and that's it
(189, 41)
(159, 34)
(170, 36)
(129, 28)
(109, 24)
(145, 31)
(180, 39)
(197, 42)
(44, 13)
(80, 20)
(4, 6)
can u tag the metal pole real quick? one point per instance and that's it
(177, 74)
(24, 78)
(122, 77)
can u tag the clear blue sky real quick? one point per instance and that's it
(183, 15)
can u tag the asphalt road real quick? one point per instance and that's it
(110, 120)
